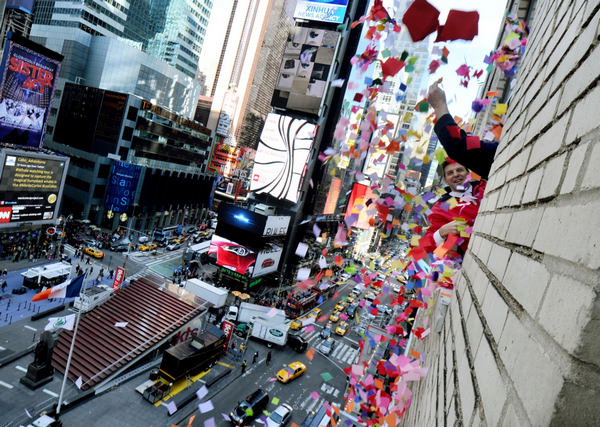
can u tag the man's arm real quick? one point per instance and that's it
(479, 160)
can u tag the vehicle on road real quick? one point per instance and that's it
(46, 275)
(342, 328)
(351, 310)
(350, 298)
(315, 312)
(370, 296)
(249, 312)
(297, 324)
(232, 313)
(206, 291)
(297, 343)
(253, 404)
(93, 252)
(173, 246)
(280, 416)
(326, 331)
(334, 317)
(119, 247)
(326, 347)
(290, 372)
(143, 239)
(270, 331)
(340, 306)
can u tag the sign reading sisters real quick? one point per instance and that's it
(29, 72)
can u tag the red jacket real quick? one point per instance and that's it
(467, 208)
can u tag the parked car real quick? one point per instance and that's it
(256, 402)
(280, 416)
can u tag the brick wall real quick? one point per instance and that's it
(520, 344)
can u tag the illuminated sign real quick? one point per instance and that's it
(31, 186)
(29, 72)
(362, 203)
(123, 182)
(332, 196)
(281, 157)
(321, 10)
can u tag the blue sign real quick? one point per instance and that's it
(321, 10)
(122, 185)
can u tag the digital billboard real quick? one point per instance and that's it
(282, 156)
(362, 202)
(31, 186)
(332, 196)
(321, 10)
(29, 72)
(224, 158)
(267, 260)
(304, 70)
(120, 192)
(232, 256)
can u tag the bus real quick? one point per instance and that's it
(301, 301)
(166, 232)
(46, 275)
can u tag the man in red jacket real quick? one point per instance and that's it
(458, 207)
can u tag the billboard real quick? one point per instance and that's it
(321, 10)
(31, 186)
(332, 196)
(29, 72)
(122, 185)
(267, 260)
(224, 158)
(276, 226)
(359, 204)
(232, 256)
(305, 68)
(282, 156)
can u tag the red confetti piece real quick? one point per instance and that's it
(473, 142)
(454, 131)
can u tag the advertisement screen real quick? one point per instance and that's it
(267, 260)
(359, 204)
(304, 71)
(123, 182)
(281, 157)
(321, 10)
(224, 159)
(232, 256)
(332, 196)
(27, 84)
(30, 186)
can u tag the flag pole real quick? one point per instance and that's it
(64, 381)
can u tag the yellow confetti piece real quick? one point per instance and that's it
(414, 241)
(401, 236)
(452, 202)
(501, 109)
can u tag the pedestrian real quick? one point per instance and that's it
(244, 364)
(255, 358)
(268, 357)
(4, 284)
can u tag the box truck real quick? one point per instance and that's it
(216, 296)
(249, 311)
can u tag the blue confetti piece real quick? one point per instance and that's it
(368, 81)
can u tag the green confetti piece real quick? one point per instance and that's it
(412, 60)
(275, 401)
(385, 53)
(404, 56)
(409, 68)
(249, 412)
(424, 107)
(267, 413)
(326, 376)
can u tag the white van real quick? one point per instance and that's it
(232, 314)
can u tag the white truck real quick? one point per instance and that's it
(271, 331)
(248, 312)
(216, 296)
(92, 297)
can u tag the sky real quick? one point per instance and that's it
(491, 18)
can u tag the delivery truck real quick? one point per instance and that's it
(248, 312)
(216, 296)
(273, 332)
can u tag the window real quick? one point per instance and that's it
(99, 191)
(103, 171)
(132, 113)
(127, 133)
(53, 111)
(123, 152)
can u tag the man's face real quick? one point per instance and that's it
(455, 175)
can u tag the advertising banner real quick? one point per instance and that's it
(119, 276)
(305, 68)
(227, 327)
(276, 225)
(281, 157)
(120, 192)
(31, 186)
(224, 159)
(27, 87)
(232, 256)
(267, 260)
(321, 10)
(358, 204)
(332, 196)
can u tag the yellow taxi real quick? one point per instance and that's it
(293, 370)
(342, 328)
(335, 316)
(350, 298)
(341, 305)
(148, 247)
(180, 239)
(96, 253)
(296, 324)
(315, 312)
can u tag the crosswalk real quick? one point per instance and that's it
(342, 351)
(326, 393)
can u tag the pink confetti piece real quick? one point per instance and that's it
(315, 395)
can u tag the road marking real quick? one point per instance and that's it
(226, 364)
(50, 392)
(31, 328)
(338, 350)
(315, 404)
(303, 404)
(20, 368)
(351, 340)
(2, 348)
(7, 385)
(336, 393)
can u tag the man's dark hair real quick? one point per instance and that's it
(447, 163)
